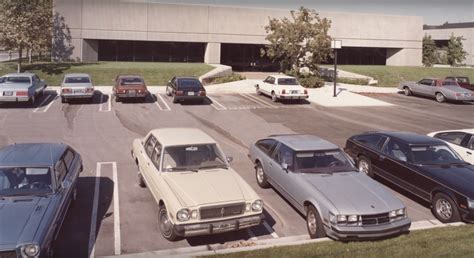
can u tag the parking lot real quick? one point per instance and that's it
(114, 215)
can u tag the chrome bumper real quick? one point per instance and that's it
(215, 227)
(368, 232)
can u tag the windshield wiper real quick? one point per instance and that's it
(185, 169)
(214, 166)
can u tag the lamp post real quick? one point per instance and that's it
(335, 44)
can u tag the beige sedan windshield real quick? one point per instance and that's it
(193, 157)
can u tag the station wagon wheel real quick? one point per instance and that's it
(440, 97)
(313, 223)
(166, 226)
(141, 182)
(445, 209)
(274, 97)
(260, 175)
(407, 91)
(365, 166)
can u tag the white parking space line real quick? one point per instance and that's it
(270, 230)
(164, 102)
(37, 110)
(216, 105)
(95, 207)
(158, 105)
(117, 235)
(251, 234)
(257, 100)
(109, 103)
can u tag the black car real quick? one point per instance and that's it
(424, 166)
(37, 184)
(185, 88)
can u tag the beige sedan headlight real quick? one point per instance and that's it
(183, 215)
(257, 205)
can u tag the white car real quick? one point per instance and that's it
(462, 141)
(281, 87)
(76, 86)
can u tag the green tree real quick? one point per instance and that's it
(299, 42)
(429, 51)
(455, 51)
(25, 25)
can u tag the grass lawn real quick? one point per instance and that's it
(103, 73)
(391, 76)
(439, 242)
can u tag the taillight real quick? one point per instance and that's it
(179, 93)
(90, 90)
(306, 92)
(202, 93)
(283, 91)
(458, 94)
(67, 90)
(22, 93)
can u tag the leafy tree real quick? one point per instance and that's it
(25, 25)
(429, 51)
(455, 51)
(299, 42)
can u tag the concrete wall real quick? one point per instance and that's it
(141, 20)
(468, 43)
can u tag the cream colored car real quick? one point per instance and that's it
(196, 190)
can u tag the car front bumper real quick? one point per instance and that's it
(14, 99)
(292, 96)
(215, 227)
(368, 232)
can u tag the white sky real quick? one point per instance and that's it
(434, 12)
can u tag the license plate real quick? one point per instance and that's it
(131, 92)
(78, 91)
(190, 93)
(467, 94)
(294, 92)
(8, 93)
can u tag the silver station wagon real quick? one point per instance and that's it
(321, 182)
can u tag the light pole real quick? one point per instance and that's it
(335, 44)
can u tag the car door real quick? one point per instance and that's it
(267, 147)
(267, 85)
(424, 87)
(459, 141)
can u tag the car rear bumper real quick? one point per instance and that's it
(368, 232)
(185, 98)
(128, 95)
(293, 96)
(77, 95)
(14, 99)
(215, 227)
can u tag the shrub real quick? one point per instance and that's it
(310, 81)
(224, 79)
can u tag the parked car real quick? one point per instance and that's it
(38, 182)
(196, 190)
(441, 90)
(185, 88)
(321, 182)
(129, 86)
(21, 87)
(281, 87)
(462, 81)
(462, 141)
(424, 166)
(76, 86)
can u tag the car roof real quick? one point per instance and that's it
(18, 74)
(281, 76)
(130, 75)
(304, 142)
(471, 131)
(31, 154)
(77, 75)
(185, 77)
(410, 138)
(181, 136)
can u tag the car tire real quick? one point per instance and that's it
(445, 209)
(140, 180)
(63, 100)
(274, 97)
(117, 99)
(168, 93)
(440, 97)
(313, 223)
(260, 176)
(364, 165)
(257, 89)
(33, 100)
(166, 226)
(175, 100)
(407, 91)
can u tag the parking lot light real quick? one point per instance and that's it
(335, 44)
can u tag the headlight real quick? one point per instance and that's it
(400, 213)
(31, 250)
(470, 204)
(393, 214)
(341, 218)
(183, 215)
(257, 205)
(352, 218)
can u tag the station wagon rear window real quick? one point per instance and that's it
(77, 80)
(18, 79)
(21, 181)
(189, 84)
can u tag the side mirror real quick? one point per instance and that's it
(284, 166)
(230, 159)
(65, 184)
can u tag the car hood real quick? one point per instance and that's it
(354, 193)
(458, 178)
(21, 218)
(14, 86)
(206, 187)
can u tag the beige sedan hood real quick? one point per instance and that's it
(206, 187)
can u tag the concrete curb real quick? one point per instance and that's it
(263, 244)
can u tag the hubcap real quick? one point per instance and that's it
(260, 174)
(439, 97)
(311, 220)
(444, 209)
(364, 166)
(407, 92)
(165, 223)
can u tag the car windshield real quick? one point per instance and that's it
(322, 162)
(287, 81)
(434, 155)
(77, 80)
(15, 181)
(17, 79)
(189, 84)
(131, 81)
(193, 157)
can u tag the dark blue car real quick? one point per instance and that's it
(37, 184)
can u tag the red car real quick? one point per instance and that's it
(130, 86)
(462, 81)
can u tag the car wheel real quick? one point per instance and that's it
(313, 223)
(63, 100)
(257, 89)
(175, 100)
(440, 97)
(168, 93)
(274, 97)
(33, 99)
(445, 209)
(141, 182)
(260, 175)
(407, 91)
(117, 98)
(365, 166)
(166, 226)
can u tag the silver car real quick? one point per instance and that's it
(76, 86)
(321, 182)
(442, 90)
(21, 87)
